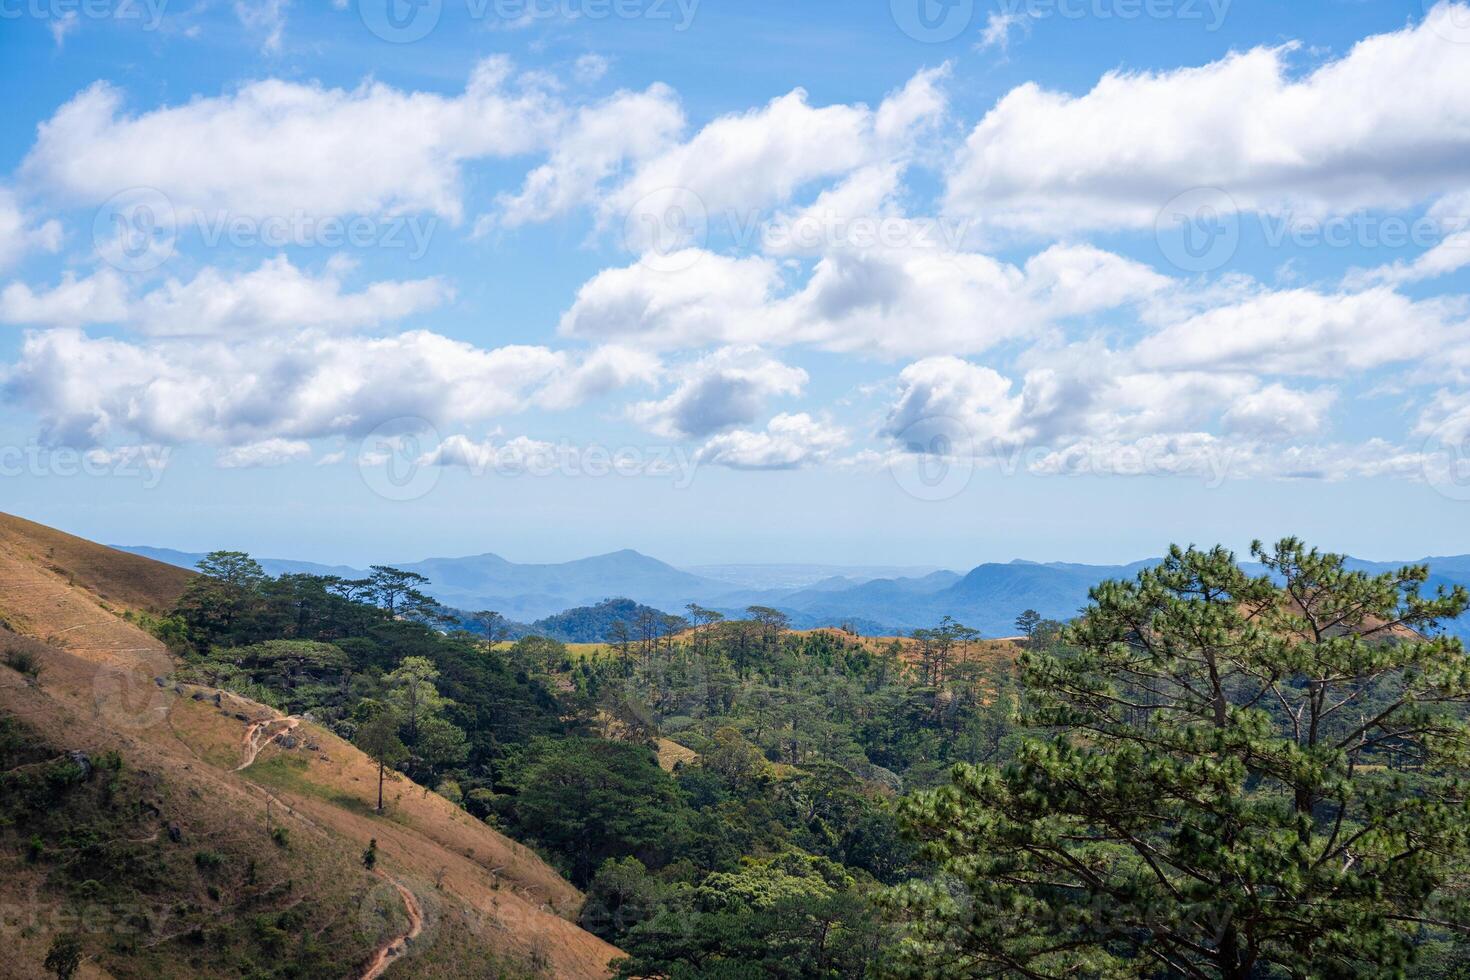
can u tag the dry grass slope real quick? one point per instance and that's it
(488, 903)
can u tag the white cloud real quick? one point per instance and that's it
(267, 452)
(264, 17)
(99, 298)
(489, 456)
(1384, 126)
(597, 142)
(742, 163)
(370, 150)
(62, 26)
(912, 300)
(277, 296)
(999, 27)
(604, 370)
(727, 388)
(1302, 331)
(590, 68)
(20, 235)
(274, 297)
(714, 300)
(1277, 413)
(295, 387)
(787, 442)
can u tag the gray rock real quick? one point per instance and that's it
(80, 758)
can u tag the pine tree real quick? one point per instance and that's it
(1233, 776)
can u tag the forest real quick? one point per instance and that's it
(1206, 773)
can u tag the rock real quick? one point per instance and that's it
(313, 747)
(242, 716)
(287, 741)
(198, 695)
(159, 681)
(216, 699)
(80, 758)
(175, 833)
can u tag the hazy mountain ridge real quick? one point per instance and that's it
(988, 597)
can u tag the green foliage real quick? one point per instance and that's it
(586, 800)
(64, 958)
(1248, 776)
(27, 663)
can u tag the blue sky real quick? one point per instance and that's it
(921, 281)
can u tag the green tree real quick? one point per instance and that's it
(370, 855)
(589, 800)
(64, 957)
(224, 596)
(414, 697)
(1027, 622)
(397, 591)
(1248, 776)
(493, 626)
(378, 739)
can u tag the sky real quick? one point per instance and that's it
(905, 281)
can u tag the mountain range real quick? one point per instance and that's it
(873, 599)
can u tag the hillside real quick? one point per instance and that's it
(189, 821)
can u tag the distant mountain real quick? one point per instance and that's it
(567, 599)
(801, 576)
(521, 592)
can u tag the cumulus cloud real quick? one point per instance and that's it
(910, 300)
(1304, 331)
(274, 297)
(20, 234)
(594, 145)
(1091, 404)
(1278, 413)
(295, 387)
(1386, 125)
(740, 164)
(597, 373)
(73, 302)
(788, 442)
(373, 149)
(727, 388)
(267, 452)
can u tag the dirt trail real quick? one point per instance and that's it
(389, 952)
(253, 743)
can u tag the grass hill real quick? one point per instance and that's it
(191, 866)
